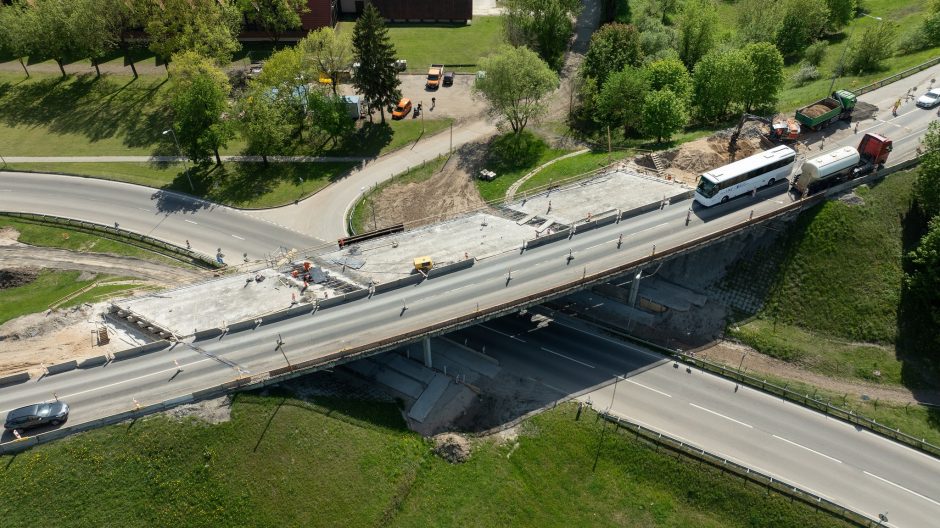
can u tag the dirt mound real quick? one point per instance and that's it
(11, 278)
(695, 157)
(9, 236)
(452, 447)
(213, 411)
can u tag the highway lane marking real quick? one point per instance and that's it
(144, 210)
(806, 448)
(618, 343)
(238, 237)
(928, 499)
(502, 333)
(749, 426)
(568, 358)
(648, 388)
(190, 221)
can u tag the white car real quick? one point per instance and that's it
(929, 99)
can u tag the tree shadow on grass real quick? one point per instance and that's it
(97, 108)
(367, 141)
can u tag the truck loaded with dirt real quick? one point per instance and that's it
(827, 111)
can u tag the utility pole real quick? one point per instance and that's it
(608, 145)
(451, 137)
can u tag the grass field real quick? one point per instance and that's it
(505, 177)
(570, 168)
(51, 286)
(59, 237)
(459, 47)
(285, 462)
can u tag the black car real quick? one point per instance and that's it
(36, 415)
(448, 78)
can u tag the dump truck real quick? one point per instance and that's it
(827, 111)
(844, 163)
(435, 73)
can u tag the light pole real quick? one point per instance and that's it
(838, 72)
(4, 161)
(179, 152)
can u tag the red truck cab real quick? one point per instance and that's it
(874, 149)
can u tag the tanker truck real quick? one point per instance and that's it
(844, 163)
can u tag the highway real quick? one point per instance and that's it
(833, 459)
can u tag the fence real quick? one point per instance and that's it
(897, 77)
(121, 235)
(723, 464)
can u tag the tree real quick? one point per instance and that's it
(274, 16)
(14, 32)
(515, 86)
(330, 50)
(874, 45)
(927, 186)
(802, 21)
(923, 283)
(199, 98)
(841, 12)
(208, 27)
(285, 76)
(765, 76)
(332, 117)
(620, 101)
(376, 78)
(663, 114)
(543, 25)
(120, 17)
(264, 123)
(759, 20)
(613, 47)
(698, 27)
(662, 9)
(656, 40)
(92, 37)
(52, 30)
(717, 82)
(671, 74)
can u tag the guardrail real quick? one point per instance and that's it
(121, 235)
(896, 77)
(723, 464)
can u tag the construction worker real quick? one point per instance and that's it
(894, 109)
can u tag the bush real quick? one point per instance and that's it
(815, 53)
(915, 40)
(873, 46)
(807, 73)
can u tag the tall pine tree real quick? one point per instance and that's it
(376, 79)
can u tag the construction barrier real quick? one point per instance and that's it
(355, 295)
(207, 334)
(61, 367)
(14, 379)
(607, 220)
(302, 309)
(249, 324)
(91, 362)
(275, 317)
(173, 402)
(545, 239)
(587, 226)
(141, 350)
(391, 285)
(331, 301)
(450, 268)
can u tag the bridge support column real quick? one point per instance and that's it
(635, 288)
(426, 344)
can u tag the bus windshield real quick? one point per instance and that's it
(706, 187)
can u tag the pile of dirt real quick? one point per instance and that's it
(452, 447)
(213, 411)
(691, 159)
(9, 236)
(444, 195)
(11, 278)
(852, 199)
(815, 111)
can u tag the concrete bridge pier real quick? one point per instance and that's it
(426, 344)
(635, 288)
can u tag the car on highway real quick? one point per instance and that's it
(402, 110)
(36, 415)
(929, 99)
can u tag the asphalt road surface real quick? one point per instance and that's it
(833, 459)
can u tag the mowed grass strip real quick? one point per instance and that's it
(570, 169)
(458, 46)
(43, 235)
(284, 462)
(51, 286)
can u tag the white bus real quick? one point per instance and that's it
(743, 176)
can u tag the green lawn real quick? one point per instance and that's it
(459, 47)
(496, 189)
(60, 237)
(568, 169)
(49, 287)
(284, 462)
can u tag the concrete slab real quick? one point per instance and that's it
(620, 189)
(392, 379)
(456, 356)
(390, 258)
(591, 301)
(428, 399)
(408, 367)
(670, 295)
